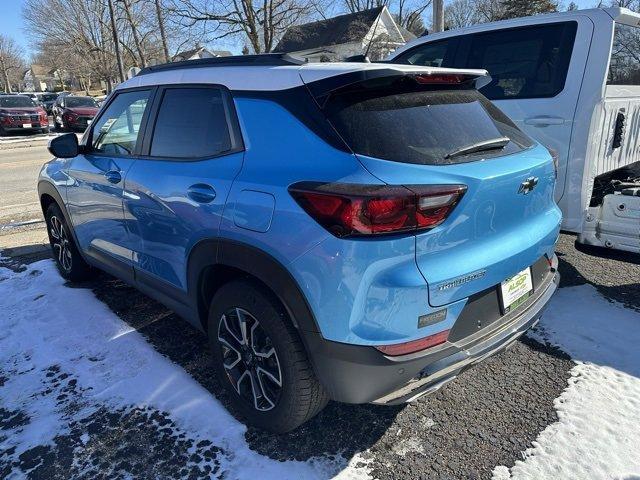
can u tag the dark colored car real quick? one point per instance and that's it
(47, 100)
(73, 113)
(20, 113)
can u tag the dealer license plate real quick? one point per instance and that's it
(26, 125)
(516, 290)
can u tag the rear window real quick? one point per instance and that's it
(624, 67)
(412, 125)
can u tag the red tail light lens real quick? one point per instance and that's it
(358, 210)
(442, 79)
(415, 345)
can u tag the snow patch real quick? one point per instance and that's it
(50, 334)
(598, 432)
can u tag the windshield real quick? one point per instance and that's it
(16, 101)
(48, 97)
(72, 102)
(407, 124)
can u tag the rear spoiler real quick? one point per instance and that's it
(322, 88)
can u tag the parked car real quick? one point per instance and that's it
(356, 232)
(72, 112)
(572, 81)
(47, 100)
(18, 113)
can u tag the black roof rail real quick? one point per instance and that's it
(260, 60)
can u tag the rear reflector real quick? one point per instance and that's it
(357, 210)
(415, 345)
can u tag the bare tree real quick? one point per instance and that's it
(409, 14)
(163, 34)
(260, 23)
(11, 62)
(461, 13)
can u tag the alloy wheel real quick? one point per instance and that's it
(60, 243)
(250, 359)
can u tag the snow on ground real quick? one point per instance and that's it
(598, 432)
(50, 334)
(66, 359)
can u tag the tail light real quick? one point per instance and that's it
(415, 345)
(358, 210)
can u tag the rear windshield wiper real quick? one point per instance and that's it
(485, 145)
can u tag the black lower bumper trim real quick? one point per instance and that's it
(358, 374)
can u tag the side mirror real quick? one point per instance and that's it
(64, 146)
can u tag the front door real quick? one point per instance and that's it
(96, 181)
(176, 191)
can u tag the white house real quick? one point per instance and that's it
(338, 38)
(199, 52)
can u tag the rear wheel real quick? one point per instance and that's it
(70, 263)
(260, 359)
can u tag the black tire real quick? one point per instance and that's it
(70, 263)
(3, 132)
(300, 396)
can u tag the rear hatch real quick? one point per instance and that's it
(440, 131)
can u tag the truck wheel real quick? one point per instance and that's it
(70, 263)
(260, 359)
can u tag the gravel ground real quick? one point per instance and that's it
(486, 417)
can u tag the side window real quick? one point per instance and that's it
(116, 132)
(527, 62)
(191, 123)
(431, 54)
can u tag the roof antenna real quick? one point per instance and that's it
(373, 36)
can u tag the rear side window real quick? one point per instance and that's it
(526, 62)
(191, 123)
(430, 54)
(624, 66)
(407, 124)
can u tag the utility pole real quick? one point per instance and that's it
(438, 16)
(116, 42)
(163, 35)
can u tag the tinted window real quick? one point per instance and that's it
(73, 102)
(525, 62)
(407, 124)
(624, 68)
(430, 54)
(16, 101)
(191, 123)
(116, 131)
(48, 97)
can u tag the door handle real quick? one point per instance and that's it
(113, 176)
(201, 193)
(544, 121)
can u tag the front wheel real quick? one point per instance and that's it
(260, 359)
(70, 263)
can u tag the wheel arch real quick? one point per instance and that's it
(212, 263)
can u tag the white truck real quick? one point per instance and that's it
(571, 80)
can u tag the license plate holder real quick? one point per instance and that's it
(516, 290)
(26, 125)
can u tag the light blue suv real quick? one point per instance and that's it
(355, 232)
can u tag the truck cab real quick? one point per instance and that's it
(571, 80)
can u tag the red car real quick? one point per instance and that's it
(19, 113)
(74, 113)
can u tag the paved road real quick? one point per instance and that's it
(19, 167)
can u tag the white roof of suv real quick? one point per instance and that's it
(236, 76)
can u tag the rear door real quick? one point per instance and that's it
(176, 191)
(536, 75)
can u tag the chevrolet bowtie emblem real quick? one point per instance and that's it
(528, 185)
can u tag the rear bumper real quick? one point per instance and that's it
(357, 374)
